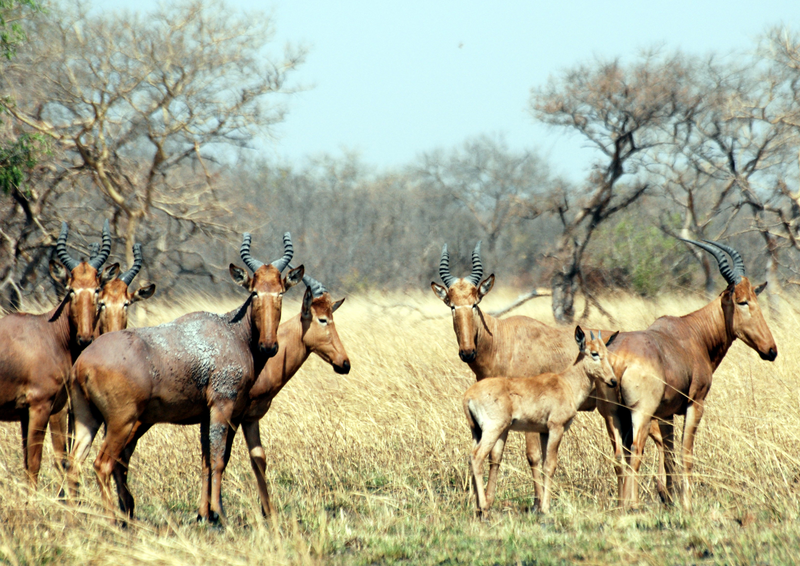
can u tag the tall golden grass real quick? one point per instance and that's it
(371, 467)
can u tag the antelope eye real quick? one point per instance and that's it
(323, 320)
(595, 356)
(452, 308)
(474, 307)
(742, 303)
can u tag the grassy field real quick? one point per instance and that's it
(371, 467)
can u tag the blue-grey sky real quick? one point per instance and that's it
(391, 80)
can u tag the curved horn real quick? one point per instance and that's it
(724, 267)
(288, 248)
(244, 251)
(477, 266)
(61, 248)
(738, 262)
(94, 249)
(317, 288)
(128, 276)
(105, 248)
(444, 268)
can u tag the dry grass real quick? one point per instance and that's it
(371, 467)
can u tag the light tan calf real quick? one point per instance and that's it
(543, 404)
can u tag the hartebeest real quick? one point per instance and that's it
(112, 315)
(543, 404)
(38, 350)
(196, 369)
(666, 370)
(311, 331)
(513, 346)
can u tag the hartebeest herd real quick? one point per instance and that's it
(222, 371)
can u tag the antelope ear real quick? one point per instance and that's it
(293, 277)
(336, 305)
(59, 273)
(486, 286)
(143, 293)
(308, 298)
(761, 287)
(239, 276)
(439, 291)
(580, 338)
(109, 272)
(613, 337)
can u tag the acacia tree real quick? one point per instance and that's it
(627, 113)
(139, 109)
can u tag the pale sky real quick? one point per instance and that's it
(391, 80)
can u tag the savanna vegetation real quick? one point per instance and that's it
(133, 118)
(371, 467)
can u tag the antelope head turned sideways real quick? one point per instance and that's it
(319, 333)
(595, 355)
(743, 317)
(463, 295)
(82, 284)
(266, 288)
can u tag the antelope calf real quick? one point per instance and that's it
(544, 404)
(517, 346)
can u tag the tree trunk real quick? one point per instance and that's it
(564, 284)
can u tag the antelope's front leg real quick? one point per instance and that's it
(258, 460)
(58, 436)
(533, 452)
(218, 431)
(33, 438)
(495, 458)
(694, 413)
(550, 444)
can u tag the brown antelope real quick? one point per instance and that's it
(112, 315)
(666, 370)
(311, 331)
(195, 369)
(513, 346)
(38, 350)
(544, 404)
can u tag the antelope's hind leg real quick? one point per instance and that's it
(479, 454)
(533, 452)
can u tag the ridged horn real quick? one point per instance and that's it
(738, 262)
(317, 288)
(244, 251)
(444, 268)
(713, 248)
(128, 276)
(105, 248)
(61, 248)
(477, 266)
(280, 264)
(94, 249)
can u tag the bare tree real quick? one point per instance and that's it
(626, 112)
(140, 109)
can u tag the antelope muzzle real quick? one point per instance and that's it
(467, 355)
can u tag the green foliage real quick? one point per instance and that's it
(636, 255)
(11, 32)
(17, 159)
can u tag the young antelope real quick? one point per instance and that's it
(546, 404)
